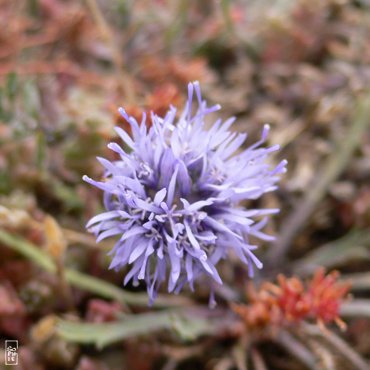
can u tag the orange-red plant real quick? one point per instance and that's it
(290, 300)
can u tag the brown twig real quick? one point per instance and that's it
(356, 308)
(225, 363)
(239, 353)
(334, 166)
(56, 246)
(341, 346)
(171, 364)
(297, 349)
(257, 359)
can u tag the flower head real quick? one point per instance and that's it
(174, 197)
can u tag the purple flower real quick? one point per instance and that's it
(175, 197)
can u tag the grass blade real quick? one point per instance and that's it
(84, 281)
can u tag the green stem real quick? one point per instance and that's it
(81, 280)
(134, 325)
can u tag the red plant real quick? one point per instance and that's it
(290, 300)
(157, 102)
(324, 296)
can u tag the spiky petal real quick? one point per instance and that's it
(174, 197)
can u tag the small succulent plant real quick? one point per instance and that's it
(291, 301)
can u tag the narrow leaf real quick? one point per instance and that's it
(84, 281)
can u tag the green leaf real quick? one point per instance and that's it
(11, 85)
(5, 181)
(40, 150)
(133, 325)
(66, 194)
(84, 281)
(353, 246)
(103, 334)
(189, 330)
(34, 7)
(226, 12)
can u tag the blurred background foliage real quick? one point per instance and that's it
(66, 66)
